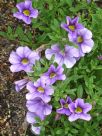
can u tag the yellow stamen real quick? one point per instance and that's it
(26, 12)
(52, 75)
(78, 110)
(79, 39)
(24, 61)
(65, 105)
(71, 27)
(40, 89)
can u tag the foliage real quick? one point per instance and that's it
(84, 80)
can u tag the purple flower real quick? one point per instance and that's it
(38, 106)
(30, 117)
(26, 11)
(35, 130)
(65, 106)
(72, 25)
(53, 74)
(83, 38)
(20, 84)
(79, 110)
(39, 89)
(88, 1)
(23, 59)
(100, 57)
(67, 57)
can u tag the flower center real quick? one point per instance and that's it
(52, 75)
(25, 61)
(71, 27)
(40, 89)
(65, 105)
(26, 12)
(79, 39)
(78, 110)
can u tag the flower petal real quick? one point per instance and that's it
(86, 117)
(73, 117)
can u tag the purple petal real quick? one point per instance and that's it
(65, 27)
(20, 6)
(68, 100)
(79, 102)
(35, 130)
(59, 59)
(30, 117)
(49, 90)
(47, 110)
(16, 68)
(28, 68)
(61, 111)
(68, 20)
(34, 13)
(14, 58)
(26, 19)
(61, 77)
(69, 62)
(72, 107)
(49, 53)
(85, 48)
(88, 34)
(87, 107)
(73, 117)
(18, 15)
(33, 56)
(79, 26)
(62, 102)
(75, 20)
(23, 51)
(55, 47)
(86, 117)
(28, 4)
(31, 87)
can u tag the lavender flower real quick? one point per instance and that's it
(79, 110)
(39, 89)
(20, 84)
(100, 57)
(38, 106)
(72, 25)
(23, 59)
(53, 74)
(67, 57)
(26, 11)
(35, 130)
(30, 117)
(83, 38)
(65, 106)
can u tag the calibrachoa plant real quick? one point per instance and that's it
(57, 74)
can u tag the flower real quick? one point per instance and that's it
(72, 25)
(79, 110)
(23, 59)
(65, 106)
(35, 130)
(83, 38)
(38, 106)
(20, 84)
(67, 57)
(30, 117)
(100, 57)
(39, 89)
(26, 11)
(53, 74)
